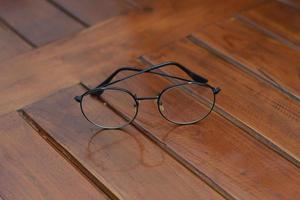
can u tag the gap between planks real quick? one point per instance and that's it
(70, 14)
(19, 34)
(173, 153)
(269, 144)
(65, 154)
(266, 31)
(238, 64)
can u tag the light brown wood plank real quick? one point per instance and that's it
(95, 11)
(31, 169)
(273, 17)
(11, 44)
(268, 112)
(255, 51)
(38, 21)
(73, 59)
(125, 162)
(235, 161)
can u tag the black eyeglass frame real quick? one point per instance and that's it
(98, 90)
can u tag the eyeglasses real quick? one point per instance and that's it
(187, 102)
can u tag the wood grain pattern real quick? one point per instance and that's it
(31, 169)
(257, 52)
(38, 21)
(12, 43)
(124, 161)
(95, 11)
(232, 159)
(76, 58)
(273, 16)
(257, 104)
(293, 3)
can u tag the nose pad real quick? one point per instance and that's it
(161, 107)
(137, 101)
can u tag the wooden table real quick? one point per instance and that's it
(248, 148)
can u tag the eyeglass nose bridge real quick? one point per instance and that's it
(139, 99)
(147, 98)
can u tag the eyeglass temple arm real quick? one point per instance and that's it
(191, 74)
(194, 76)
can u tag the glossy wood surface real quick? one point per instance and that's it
(247, 148)
(213, 147)
(95, 11)
(272, 115)
(256, 52)
(31, 169)
(12, 44)
(37, 20)
(128, 164)
(273, 17)
(78, 57)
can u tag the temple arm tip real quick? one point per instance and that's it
(78, 98)
(216, 90)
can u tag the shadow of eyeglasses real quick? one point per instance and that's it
(141, 146)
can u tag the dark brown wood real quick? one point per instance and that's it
(10, 43)
(255, 51)
(124, 161)
(95, 11)
(273, 116)
(293, 3)
(235, 161)
(31, 169)
(273, 17)
(83, 55)
(38, 21)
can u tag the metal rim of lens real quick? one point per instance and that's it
(181, 84)
(114, 110)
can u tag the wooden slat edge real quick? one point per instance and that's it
(172, 152)
(253, 24)
(233, 119)
(290, 3)
(67, 12)
(19, 34)
(240, 65)
(244, 127)
(67, 155)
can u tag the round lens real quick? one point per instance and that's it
(187, 103)
(107, 108)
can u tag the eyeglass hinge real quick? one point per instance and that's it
(78, 98)
(216, 90)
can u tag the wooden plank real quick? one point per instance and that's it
(38, 21)
(125, 162)
(255, 52)
(273, 116)
(293, 3)
(272, 16)
(31, 169)
(235, 161)
(10, 43)
(93, 12)
(71, 60)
